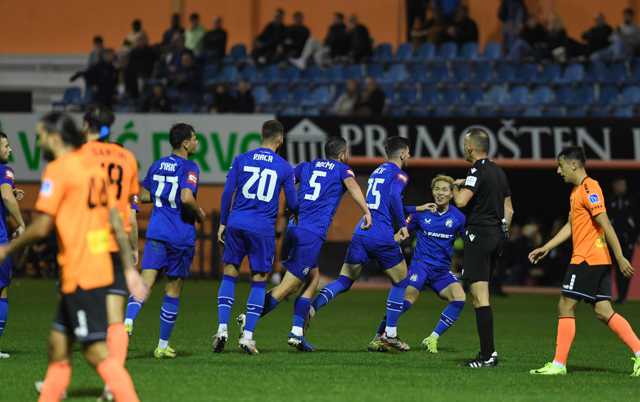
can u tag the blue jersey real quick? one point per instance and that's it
(384, 198)
(165, 180)
(320, 191)
(6, 177)
(436, 233)
(256, 177)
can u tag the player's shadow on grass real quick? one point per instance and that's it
(587, 369)
(144, 354)
(78, 393)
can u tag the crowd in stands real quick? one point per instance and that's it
(439, 71)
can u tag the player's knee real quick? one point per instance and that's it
(174, 287)
(401, 283)
(603, 311)
(115, 308)
(231, 270)
(95, 353)
(57, 347)
(259, 277)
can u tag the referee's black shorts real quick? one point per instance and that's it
(482, 245)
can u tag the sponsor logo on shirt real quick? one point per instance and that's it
(402, 177)
(471, 181)
(47, 188)
(192, 178)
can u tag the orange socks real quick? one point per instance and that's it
(621, 327)
(118, 342)
(566, 333)
(115, 377)
(55, 382)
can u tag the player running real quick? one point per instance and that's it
(430, 266)
(8, 207)
(171, 184)
(322, 184)
(588, 277)
(248, 228)
(75, 199)
(384, 199)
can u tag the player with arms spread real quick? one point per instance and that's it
(171, 184)
(431, 263)
(588, 277)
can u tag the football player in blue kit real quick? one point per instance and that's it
(322, 183)
(247, 228)
(430, 266)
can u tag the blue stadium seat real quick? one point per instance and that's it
(554, 111)
(577, 111)
(280, 94)
(267, 74)
(336, 73)
(301, 95)
(383, 53)
(261, 94)
(428, 95)
(461, 72)
(375, 70)
(495, 95)
(404, 52)
(526, 73)
(448, 51)
(396, 74)
(542, 95)
(407, 95)
(249, 73)
(533, 112)
(436, 73)
(549, 73)
(71, 96)
(481, 73)
(238, 52)
(600, 111)
(313, 75)
(354, 72)
(504, 73)
(572, 74)
(607, 95)
(426, 52)
(469, 51)
(443, 111)
(291, 111)
(614, 73)
(418, 72)
(471, 96)
(288, 74)
(518, 95)
(492, 51)
(630, 95)
(623, 111)
(449, 96)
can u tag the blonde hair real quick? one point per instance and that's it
(442, 177)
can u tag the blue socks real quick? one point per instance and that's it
(406, 305)
(449, 315)
(133, 309)
(226, 294)
(300, 312)
(333, 289)
(4, 314)
(395, 303)
(270, 303)
(255, 304)
(168, 317)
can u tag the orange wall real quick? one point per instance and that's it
(67, 26)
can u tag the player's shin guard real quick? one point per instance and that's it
(117, 379)
(331, 291)
(300, 312)
(564, 339)
(226, 296)
(168, 317)
(118, 342)
(270, 303)
(255, 304)
(449, 315)
(4, 314)
(406, 305)
(395, 304)
(133, 309)
(622, 328)
(484, 322)
(56, 381)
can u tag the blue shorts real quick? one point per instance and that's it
(159, 255)
(6, 269)
(304, 251)
(362, 249)
(421, 275)
(260, 249)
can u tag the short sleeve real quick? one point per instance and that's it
(346, 173)
(51, 193)
(472, 182)
(297, 172)
(593, 200)
(7, 176)
(190, 177)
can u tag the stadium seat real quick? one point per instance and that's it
(354, 72)
(436, 73)
(554, 111)
(279, 94)
(448, 51)
(461, 72)
(320, 96)
(313, 74)
(249, 73)
(72, 96)
(533, 112)
(525, 73)
(407, 95)
(375, 70)
(471, 96)
(396, 74)
(382, 53)
(492, 51)
(449, 96)
(572, 74)
(542, 95)
(623, 111)
(428, 95)
(504, 73)
(404, 53)
(426, 52)
(630, 95)
(481, 73)
(518, 95)
(606, 94)
(238, 53)
(495, 95)
(261, 94)
(469, 51)
(550, 73)
(577, 111)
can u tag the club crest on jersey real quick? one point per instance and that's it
(47, 188)
(594, 199)
(472, 237)
(449, 223)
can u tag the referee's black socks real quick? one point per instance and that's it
(484, 321)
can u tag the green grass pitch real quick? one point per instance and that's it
(341, 369)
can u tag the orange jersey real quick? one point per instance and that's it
(589, 243)
(75, 194)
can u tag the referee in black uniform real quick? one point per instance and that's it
(486, 194)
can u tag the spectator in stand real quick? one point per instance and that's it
(101, 79)
(361, 44)
(194, 35)
(268, 44)
(296, 35)
(175, 28)
(416, 10)
(447, 8)
(463, 29)
(532, 41)
(214, 42)
(512, 14)
(96, 51)
(186, 78)
(337, 39)
(419, 33)
(597, 37)
(436, 27)
(222, 102)
(562, 47)
(157, 101)
(122, 55)
(624, 42)
(172, 57)
(371, 102)
(244, 102)
(139, 67)
(136, 33)
(346, 103)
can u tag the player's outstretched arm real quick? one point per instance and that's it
(38, 230)
(9, 200)
(189, 201)
(612, 239)
(508, 211)
(134, 281)
(563, 235)
(356, 193)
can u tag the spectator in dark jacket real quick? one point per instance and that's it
(597, 37)
(186, 78)
(223, 102)
(96, 52)
(337, 39)
(139, 68)
(361, 44)
(296, 36)
(215, 41)
(268, 45)
(101, 79)
(447, 8)
(532, 41)
(371, 102)
(157, 101)
(463, 29)
(512, 14)
(176, 27)
(244, 102)
(416, 10)
(171, 59)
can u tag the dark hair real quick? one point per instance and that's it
(629, 10)
(194, 16)
(394, 145)
(136, 24)
(339, 15)
(98, 39)
(480, 138)
(574, 153)
(272, 129)
(180, 133)
(99, 119)
(61, 123)
(334, 146)
(3, 135)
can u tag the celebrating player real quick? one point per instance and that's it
(431, 262)
(384, 199)
(172, 185)
(588, 277)
(248, 228)
(322, 184)
(8, 207)
(75, 199)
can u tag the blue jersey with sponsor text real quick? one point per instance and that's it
(6, 177)
(320, 191)
(436, 233)
(165, 180)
